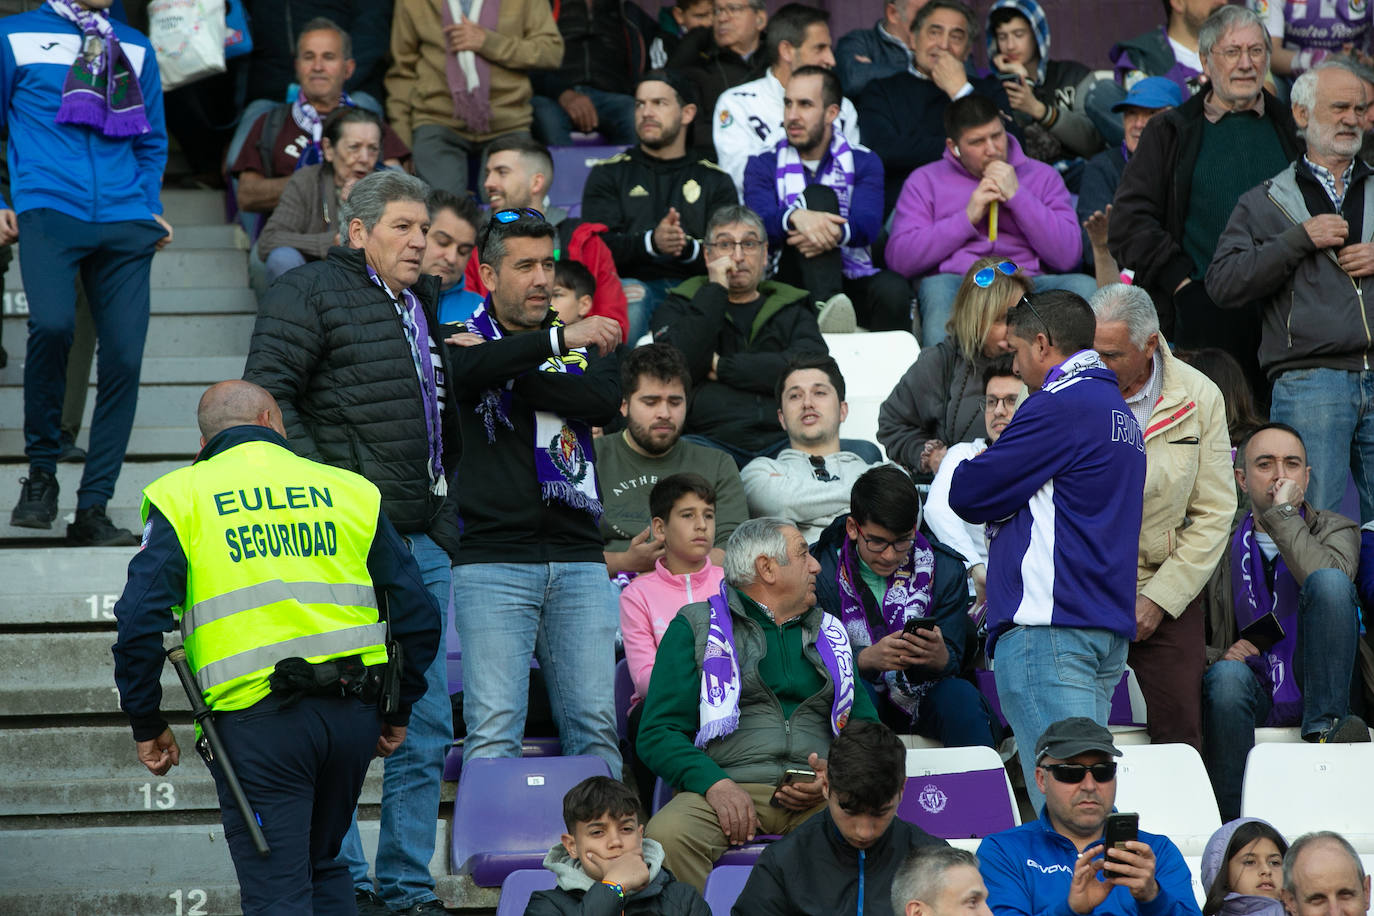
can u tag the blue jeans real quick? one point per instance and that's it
(615, 115)
(1234, 701)
(955, 713)
(1334, 411)
(412, 775)
(565, 615)
(282, 259)
(1047, 673)
(642, 299)
(935, 298)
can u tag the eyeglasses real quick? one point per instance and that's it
(1232, 55)
(748, 246)
(1049, 339)
(732, 9)
(821, 471)
(880, 545)
(992, 400)
(1073, 773)
(505, 218)
(983, 279)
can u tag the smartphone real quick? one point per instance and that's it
(1264, 632)
(791, 776)
(918, 623)
(1009, 77)
(1120, 828)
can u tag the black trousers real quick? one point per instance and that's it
(882, 301)
(302, 769)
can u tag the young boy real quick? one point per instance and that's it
(573, 289)
(605, 866)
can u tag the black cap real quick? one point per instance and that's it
(1076, 735)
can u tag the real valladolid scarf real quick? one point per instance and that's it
(1252, 599)
(467, 72)
(309, 120)
(720, 675)
(563, 448)
(101, 89)
(838, 175)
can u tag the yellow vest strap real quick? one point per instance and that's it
(261, 658)
(262, 594)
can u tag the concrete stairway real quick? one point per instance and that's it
(84, 828)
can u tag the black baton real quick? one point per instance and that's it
(206, 721)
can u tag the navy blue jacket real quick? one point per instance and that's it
(1065, 485)
(157, 583)
(865, 206)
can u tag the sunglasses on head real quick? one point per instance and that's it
(983, 279)
(1049, 338)
(506, 217)
(1073, 773)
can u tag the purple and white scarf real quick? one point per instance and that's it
(309, 120)
(837, 173)
(563, 447)
(720, 676)
(1252, 599)
(908, 597)
(101, 89)
(468, 74)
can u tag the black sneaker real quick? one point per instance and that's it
(369, 904)
(426, 908)
(1350, 730)
(71, 452)
(37, 505)
(93, 528)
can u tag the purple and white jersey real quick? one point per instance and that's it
(1323, 24)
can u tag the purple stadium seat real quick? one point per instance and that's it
(529, 747)
(958, 805)
(1122, 709)
(663, 793)
(747, 854)
(570, 167)
(624, 689)
(519, 885)
(723, 886)
(509, 812)
(455, 674)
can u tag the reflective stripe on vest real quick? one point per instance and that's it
(255, 596)
(264, 658)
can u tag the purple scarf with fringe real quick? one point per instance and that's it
(1252, 599)
(468, 74)
(563, 447)
(309, 120)
(720, 675)
(101, 90)
(837, 175)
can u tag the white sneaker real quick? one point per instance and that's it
(837, 315)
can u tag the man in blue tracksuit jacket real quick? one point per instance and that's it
(1061, 491)
(81, 98)
(1052, 865)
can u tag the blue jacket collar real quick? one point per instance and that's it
(226, 439)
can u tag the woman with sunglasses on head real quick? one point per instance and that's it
(1242, 869)
(939, 401)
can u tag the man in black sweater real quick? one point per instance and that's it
(530, 578)
(857, 841)
(655, 198)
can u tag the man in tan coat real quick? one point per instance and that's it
(459, 77)
(1190, 499)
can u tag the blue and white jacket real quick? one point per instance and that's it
(1063, 488)
(1028, 870)
(70, 168)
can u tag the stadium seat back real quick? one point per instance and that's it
(958, 792)
(571, 164)
(1303, 787)
(1167, 785)
(871, 364)
(723, 886)
(519, 885)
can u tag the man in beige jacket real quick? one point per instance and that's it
(1190, 499)
(459, 77)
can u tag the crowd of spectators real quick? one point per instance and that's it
(629, 414)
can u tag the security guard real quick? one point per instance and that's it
(273, 566)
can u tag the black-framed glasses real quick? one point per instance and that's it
(1073, 773)
(748, 246)
(879, 545)
(983, 279)
(991, 401)
(1049, 338)
(821, 471)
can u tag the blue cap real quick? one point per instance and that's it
(1152, 92)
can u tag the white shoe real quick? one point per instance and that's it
(837, 315)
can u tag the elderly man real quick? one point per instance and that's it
(1282, 617)
(1052, 864)
(750, 118)
(1189, 502)
(1300, 244)
(738, 332)
(939, 881)
(1323, 874)
(726, 53)
(864, 55)
(1185, 177)
(1064, 484)
(349, 346)
(741, 706)
(902, 116)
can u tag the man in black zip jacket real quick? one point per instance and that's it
(856, 842)
(655, 198)
(349, 347)
(728, 53)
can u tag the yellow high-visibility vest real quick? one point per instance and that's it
(276, 548)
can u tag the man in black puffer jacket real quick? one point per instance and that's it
(349, 347)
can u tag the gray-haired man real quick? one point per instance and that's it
(1323, 876)
(940, 881)
(349, 347)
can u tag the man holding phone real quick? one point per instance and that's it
(1282, 617)
(1072, 855)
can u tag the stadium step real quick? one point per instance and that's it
(176, 267)
(63, 586)
(51, 675)
(228, 300)
(164, 424)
